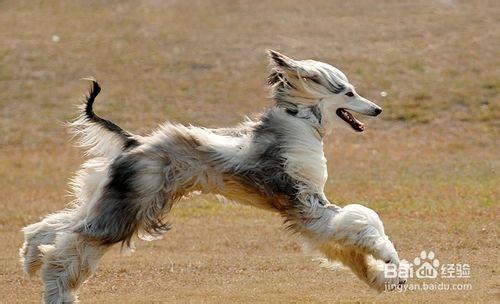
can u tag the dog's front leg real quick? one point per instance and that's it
(359, 226)
(336, 232)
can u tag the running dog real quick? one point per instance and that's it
(275, 162)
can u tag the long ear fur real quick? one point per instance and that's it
(285, 66)
(281, 61)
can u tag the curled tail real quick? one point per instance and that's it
(100, 137)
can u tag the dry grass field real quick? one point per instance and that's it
(429, 164)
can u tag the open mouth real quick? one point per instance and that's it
(346, 116)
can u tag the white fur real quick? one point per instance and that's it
(305, 159)
(275, 162)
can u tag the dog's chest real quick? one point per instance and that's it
(306, 162)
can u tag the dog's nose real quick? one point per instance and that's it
(378, 111)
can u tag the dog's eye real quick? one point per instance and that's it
(350, 94)
(316, 80)
(313, 79)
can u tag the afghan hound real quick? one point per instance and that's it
(275, 162)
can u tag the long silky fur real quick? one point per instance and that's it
(275, 162)
(98, 136)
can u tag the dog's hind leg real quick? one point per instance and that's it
(131, 202)
(84, 185)
(67, 264)
(43, 233)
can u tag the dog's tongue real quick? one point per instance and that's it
(351, 120)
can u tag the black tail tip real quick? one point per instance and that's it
(95, 87)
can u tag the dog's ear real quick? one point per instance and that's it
(282, 61)
(289, 66)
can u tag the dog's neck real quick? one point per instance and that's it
(300, 131)
(311, 113)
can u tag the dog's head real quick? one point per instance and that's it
(312, 83)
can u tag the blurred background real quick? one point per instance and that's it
(429, 164)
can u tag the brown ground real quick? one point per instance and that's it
(429, 165)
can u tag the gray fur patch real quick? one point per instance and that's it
(116, 217)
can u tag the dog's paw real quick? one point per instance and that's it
(394, 282)
(383, 277)
(386, 252)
